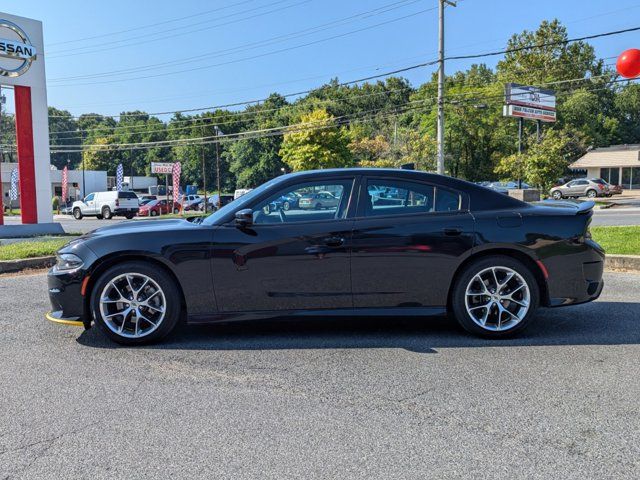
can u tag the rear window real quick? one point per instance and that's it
(127, 195)
(599, 180)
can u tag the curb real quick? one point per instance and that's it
(622, 262)
(13, 266)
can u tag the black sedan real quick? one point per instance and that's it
(442, 245)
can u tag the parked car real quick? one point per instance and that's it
(107, 205)
(286, 202)
(213, 203)
(504, 187)
(157, 207)
(190, 202)
(614, 189)
(487, 259)
(66, 209)
(581, 187)
(146, 199)
(318, 201)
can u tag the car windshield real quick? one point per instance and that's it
(231, 206)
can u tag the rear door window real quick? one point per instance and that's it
(400, 197)
(129, 195)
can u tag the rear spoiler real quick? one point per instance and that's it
(585, 207)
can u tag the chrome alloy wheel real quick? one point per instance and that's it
(132, 305)
(497, 298)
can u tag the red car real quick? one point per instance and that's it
(157, 207)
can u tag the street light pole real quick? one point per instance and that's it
(204, 170)
(440, 129)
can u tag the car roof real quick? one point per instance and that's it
(481, 198)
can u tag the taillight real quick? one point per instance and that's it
(601, 187)
(117, 202)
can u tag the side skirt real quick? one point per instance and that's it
(341, 312)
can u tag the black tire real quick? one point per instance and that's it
(286, 206)
(318, 206)
(176, 211)
(99, 217)
(557, 195)
(592, 193)
(166, 283)
(458, 295)
(106, 213)
(77, 213)
(153, 213)
(129, 216)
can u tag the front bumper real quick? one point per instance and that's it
(57, 317)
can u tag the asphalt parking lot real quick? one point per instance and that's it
(350, 399)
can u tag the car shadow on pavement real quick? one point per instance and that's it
(598, 323)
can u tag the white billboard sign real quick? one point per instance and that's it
(530, 102)
(164, 168)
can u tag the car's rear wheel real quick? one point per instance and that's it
(106, 213)
(77, 214)
(495, 297)
(135, 303)
(557, 195)
(592, 194)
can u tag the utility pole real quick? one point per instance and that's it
(204, 170)
(440, 129)
(217, 130)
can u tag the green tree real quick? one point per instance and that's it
(545, 161)
(62, 132)
(317, 142)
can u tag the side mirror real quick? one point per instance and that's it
(244, 218)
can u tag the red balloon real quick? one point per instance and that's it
(628, 63)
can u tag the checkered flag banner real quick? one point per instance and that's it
(177, 169)
(13, 192)
(119, 177)
(65, 184)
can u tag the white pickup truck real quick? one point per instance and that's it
(106, 205)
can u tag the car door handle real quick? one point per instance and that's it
(452, 231)
(333, 241)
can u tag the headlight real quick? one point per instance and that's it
(67, 261)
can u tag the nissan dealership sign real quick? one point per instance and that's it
(17, 53)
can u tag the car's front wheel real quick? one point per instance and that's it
(77, 214)
(135, 303)
(495, 297)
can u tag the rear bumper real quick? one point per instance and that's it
(126, 211)
(577, 277)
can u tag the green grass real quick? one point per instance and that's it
(30, 249)
(618, 240)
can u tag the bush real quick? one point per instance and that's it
(55, 202)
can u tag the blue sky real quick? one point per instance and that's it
(195, 53)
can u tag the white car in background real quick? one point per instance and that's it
(106, 205)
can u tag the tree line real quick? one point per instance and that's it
(381, 124)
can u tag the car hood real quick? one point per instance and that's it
(142, 226)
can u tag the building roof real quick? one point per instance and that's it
(614, 156)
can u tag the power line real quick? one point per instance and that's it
(163, 34)
(150, 25)
(247, 134)
(249, 46)
(253, 57)
(401, 70)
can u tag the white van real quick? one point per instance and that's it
(106, 205)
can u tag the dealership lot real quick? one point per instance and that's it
(413, 398)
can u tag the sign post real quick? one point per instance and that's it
(166, 169)
(534, 103)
